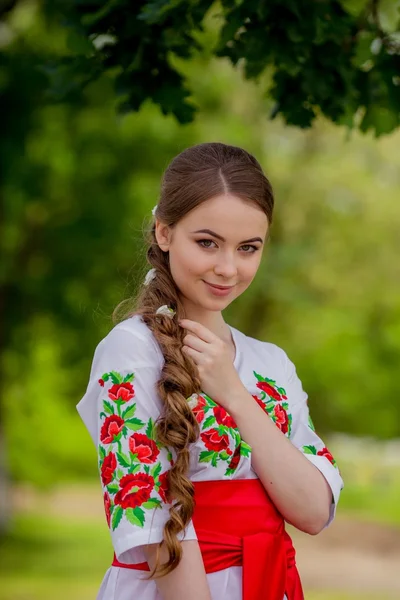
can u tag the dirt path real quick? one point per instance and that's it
(351, 555)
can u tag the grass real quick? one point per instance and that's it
(47, 558)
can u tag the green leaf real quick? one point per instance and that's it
(135, 516)
(150, 429)
(209, 400)
(214, 459)
(311, 424)
(108, 407)
(116, 517)
(120, 473)
(309, 450)
(134, 468)
(285, 405)
(129, 377)
(258, 377)
(152, 503)
(147, 469)
(129, 412)
(156, 470)
(134, 424)
(209, 421)
(102, 452)
(206, 455)
(123, 459)
(116, 377)
(245, 450)
(113, 488)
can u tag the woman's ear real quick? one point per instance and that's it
(163, 235)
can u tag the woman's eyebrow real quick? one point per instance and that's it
(219, 237)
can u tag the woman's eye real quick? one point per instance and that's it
(201, 242)
(253, 248)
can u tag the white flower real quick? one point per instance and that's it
(193, 400)
(153, 212)
(149, 276)
(165, 310)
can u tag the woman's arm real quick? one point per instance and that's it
(297, 488)
(188, 581)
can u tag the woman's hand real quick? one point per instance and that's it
(219, 378)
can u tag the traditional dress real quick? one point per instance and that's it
(120, 408)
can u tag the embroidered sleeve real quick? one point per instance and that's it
(133, 465)
(305, 438)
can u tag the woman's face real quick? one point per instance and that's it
(227, 254)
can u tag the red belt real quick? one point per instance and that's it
(237, 525)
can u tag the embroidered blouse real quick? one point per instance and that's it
(120, 408)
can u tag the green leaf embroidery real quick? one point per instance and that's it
(135, 516)
(134, 469)
(229, 472)
(309, 450)
(206, 455)
(285, 405)
(224, 455)
(156, 470)
(311, 424)
(120, 473)
(209, 400)
(102, 452)
(129, 412)
(147, 469)
(129, 377)
(108, 407)
(214, 459)
(113, 488)
(258, 377)
(116, 377)
(105, 377)
(152, 503)
(169, 456)
(134, 424)
(150, 429)
(245, 449)
(116, 518)
(209, 421)
(123, 459)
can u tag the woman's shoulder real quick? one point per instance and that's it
(133, 338)
(261, 348)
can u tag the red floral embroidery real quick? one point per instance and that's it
(144, 447)
(268, 389)
(223, 418)
(325, 452)
(108, 468)
(163, 490)
(281, 418)
(235, 458)
(101, 382)
(259, 401)
(214, 441)
(135, 489)
(107, 507)
(198, 410)
(121, 391)
(111, 427)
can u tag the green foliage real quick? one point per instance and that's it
(78, 185)
(339, 58)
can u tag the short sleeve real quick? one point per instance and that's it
(119, 409)
(304, 437)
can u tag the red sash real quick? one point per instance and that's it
(237, 524)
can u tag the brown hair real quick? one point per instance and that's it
(197, 174)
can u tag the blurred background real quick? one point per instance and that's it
(78, 182)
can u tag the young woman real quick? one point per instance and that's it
(204, 438)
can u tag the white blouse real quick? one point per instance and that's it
(119, 409)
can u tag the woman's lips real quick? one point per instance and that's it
(218, 290)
